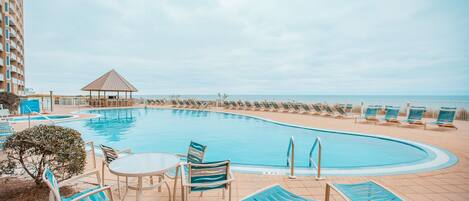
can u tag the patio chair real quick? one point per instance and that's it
(206, 176)
(98, 193)
(391, 114)
(341, 111)
(5, 130)
(446, 118)
(415, 115)
(226, 104)
(266, 106)
(274, 193)
(365, 191)
(195, 154)
(110, 154)
(370, 114)
(329, 111)
(296, 107)
(241, 105)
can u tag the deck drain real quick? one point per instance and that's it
(272, 173)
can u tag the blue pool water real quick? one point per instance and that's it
(40, 118)
(242, 139)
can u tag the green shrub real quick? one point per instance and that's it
(60, 148)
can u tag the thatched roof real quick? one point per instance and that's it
(111, 81)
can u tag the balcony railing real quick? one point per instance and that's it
(13, 45)
(13, 57)
(13, 33)
(2, 77)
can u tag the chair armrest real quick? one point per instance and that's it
(106, 188)
(185, 183)
(75, 178)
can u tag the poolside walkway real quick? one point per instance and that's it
(446, 184)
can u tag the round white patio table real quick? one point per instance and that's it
(141, 165)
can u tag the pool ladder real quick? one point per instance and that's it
(291, 157)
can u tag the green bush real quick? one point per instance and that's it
(60, 148)
(9, 101)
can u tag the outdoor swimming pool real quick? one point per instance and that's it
(255, 144)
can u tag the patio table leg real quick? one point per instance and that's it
(139, 189)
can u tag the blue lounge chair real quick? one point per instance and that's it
(274, 193)
(206, 176)
(415, 115)
(392, 112)
(98, 193)
(370, 114)
(446, 117)
(365, 191)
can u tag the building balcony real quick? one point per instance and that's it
(2, 77)
(13, 57)
(1, 47)
(1, 62)
(13, 33)
(12, 22)
(13, 45)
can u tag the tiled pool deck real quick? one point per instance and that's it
(447, 184)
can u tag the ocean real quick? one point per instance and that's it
(434, 102)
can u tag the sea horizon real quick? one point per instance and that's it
(431, 101)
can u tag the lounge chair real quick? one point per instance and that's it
(226, 104)
(446, 118)
(415, 116)
(4, 113)
(370, 114)
(248, 105)
(195, 154)
(257, 106)
(240, 105)
(274, 106)
(110, 154)
(266, 106)
(98, 193)
(286, 107)
(365, 191)
(341, 111)
(274, 193)
(317, 109)
(392, 113)
(329, 111)
(174, 103)
(296, 107)
(206, 176)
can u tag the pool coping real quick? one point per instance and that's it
(441, 158)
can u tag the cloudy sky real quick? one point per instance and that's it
(251, 47)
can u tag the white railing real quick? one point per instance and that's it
(317, 143)
(291, 157)
(31, 112)
(93, 154)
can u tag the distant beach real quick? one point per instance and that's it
(398, 100)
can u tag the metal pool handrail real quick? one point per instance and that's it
(291, 157)
(317, 143)
(32, 112)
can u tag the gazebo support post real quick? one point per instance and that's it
(99, 99)
(118, 101)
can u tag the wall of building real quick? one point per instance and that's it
(12, 47)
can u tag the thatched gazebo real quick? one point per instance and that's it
(113, 83)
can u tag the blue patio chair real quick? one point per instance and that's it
(415, 115)
(370, 114)
(206, 176)
(365, 191)
(98, 193)
(446, 117)
(195, 154)
(392, 112)
(274, 193)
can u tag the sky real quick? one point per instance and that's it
(408, 47)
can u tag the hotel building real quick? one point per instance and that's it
(12, 47)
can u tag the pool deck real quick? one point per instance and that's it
(446, 184)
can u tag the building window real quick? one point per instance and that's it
(8, 74)
(8, 60)
(7, 22)
(6, 6)
(7, 46)
(8, 88)
(7, 33)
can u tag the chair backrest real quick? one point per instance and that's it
(371, 111)
(196, 152)
(110, 154)
(5, 127)
(51, 182)
(392, 112)
(416, 113)
(340, 110)
(207, 173)
(447, 115)
(366, 191)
